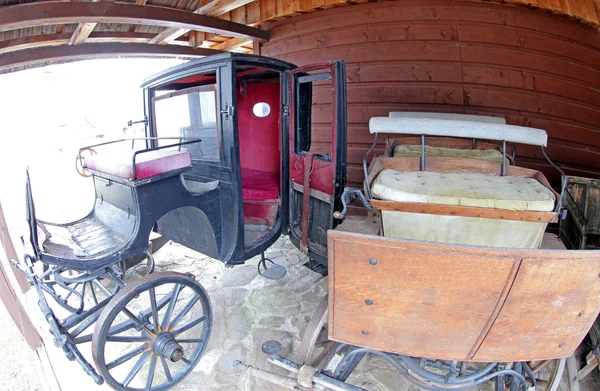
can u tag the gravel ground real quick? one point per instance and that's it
(17, 371)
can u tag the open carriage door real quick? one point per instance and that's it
(317, 153)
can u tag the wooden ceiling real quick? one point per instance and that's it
(35, 32)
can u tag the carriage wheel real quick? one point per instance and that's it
(555, 374)
(315, 328)
(329, 360)
(152, 333)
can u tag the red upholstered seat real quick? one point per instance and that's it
(146, 164)
(259, 185)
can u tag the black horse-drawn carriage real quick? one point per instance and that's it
(232, 160)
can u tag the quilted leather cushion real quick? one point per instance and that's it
(259, 185)
(491, 155)
(464, 189)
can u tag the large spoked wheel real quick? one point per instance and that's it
(152, 333)
(310, 339)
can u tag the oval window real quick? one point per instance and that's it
(261, 109)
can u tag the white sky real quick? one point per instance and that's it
(42, 111)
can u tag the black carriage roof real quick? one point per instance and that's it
(196, 66)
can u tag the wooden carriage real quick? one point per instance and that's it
(440, 310)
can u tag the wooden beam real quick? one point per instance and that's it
(229, 45)
(38, 41)
(42, 55)
(214, 8)
(49, 13)
(82, 32)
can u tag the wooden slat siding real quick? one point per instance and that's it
(532, 68)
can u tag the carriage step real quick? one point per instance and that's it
(269, 269)
(274, 272)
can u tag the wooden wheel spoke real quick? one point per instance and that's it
(121, 327)
(136, 368)
(137, 321)
(71, 292)
(166, 369)
(125, 338)
(184, 311)
(128, 324)
(126, 357)
(152, 294)
(93, 293)
(151, 373)
(171, 307)
(190, 325)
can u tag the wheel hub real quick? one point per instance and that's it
(165, 345)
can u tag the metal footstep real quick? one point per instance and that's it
(272, 272)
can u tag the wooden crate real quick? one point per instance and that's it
(581, 228)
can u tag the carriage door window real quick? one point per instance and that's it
(313, 108)
(190, 113)
(303, 115)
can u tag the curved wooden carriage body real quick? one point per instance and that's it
(465, 303)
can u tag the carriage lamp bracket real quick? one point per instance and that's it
(350, 194)
(142, 121)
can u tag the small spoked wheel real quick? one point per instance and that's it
(80, 162)
(152, 333)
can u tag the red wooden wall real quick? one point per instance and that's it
(531, 67)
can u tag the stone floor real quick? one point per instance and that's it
(248, 310)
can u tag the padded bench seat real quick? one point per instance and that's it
(463, 189)
(147, 164)
(490, 155)
(259, 185)
(260, 195)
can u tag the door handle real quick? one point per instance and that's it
(228, 111)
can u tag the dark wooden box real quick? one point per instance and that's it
(581, 228)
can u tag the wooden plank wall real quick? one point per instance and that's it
(533, 68)
(259, 11)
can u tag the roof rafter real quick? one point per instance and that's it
(82, 32)
(230, 44)
(47, 13)
(97, 50)
(214, 8)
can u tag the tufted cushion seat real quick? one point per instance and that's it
(490, 155)
(463, 189)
